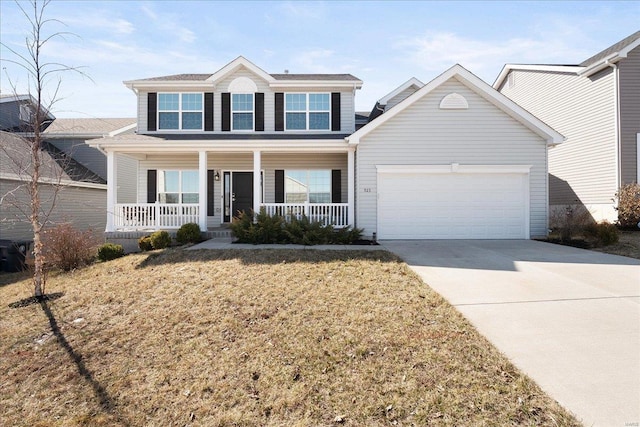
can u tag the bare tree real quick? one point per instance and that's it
(44, 79)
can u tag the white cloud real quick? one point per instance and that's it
(435, 52)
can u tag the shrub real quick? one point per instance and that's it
(604, 233)
(110, 251)
(160, 239)
(346, 235)
(144, 243)
(66, 248)
(628, 197)
(570, 221)
(189, 233)
(266, 229)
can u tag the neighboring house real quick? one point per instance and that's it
(69, 136)
(68, 164)
(596, 106)
(80, 195)
(16, 113)
(450, 159)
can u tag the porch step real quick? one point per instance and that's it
(218, 233)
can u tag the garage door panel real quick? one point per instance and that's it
(445, 206)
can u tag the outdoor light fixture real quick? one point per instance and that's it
(216, 176)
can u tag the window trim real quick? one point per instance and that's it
(161, 186)
(252, 111)
(307, 111)
(308, 170)
(180, 111)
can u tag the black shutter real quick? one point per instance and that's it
(210, 183)
(152, 106)
(335, 111)
(279, 186)
(259, 111)
(336, 186)
(208, 111)
(152, 185)
(279, 111)
(226, 111)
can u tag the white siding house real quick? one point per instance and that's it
(596, 106)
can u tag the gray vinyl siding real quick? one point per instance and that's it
(91, 158)
(347, 102)
(242, 162)
(400, 97)
(425, 135)
(629, 114)
(583, 169)
(84, 207)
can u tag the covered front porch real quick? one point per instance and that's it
(211, 185)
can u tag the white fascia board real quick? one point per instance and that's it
(411, 82)
(124, 129)
(171, 85)
(286, 84)
(477, 85)
(232, 66)
(51, 181)
(453, 168)
(229, 146)
(575, 69)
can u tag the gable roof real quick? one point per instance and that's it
(89, 127)
(588, 67)
(404, 86)
(274, 80)
(56, 165)
(477, 85)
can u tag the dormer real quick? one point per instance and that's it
(242, 99)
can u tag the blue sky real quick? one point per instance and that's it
(384, 43)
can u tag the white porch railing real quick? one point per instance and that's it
(328, 213)
(154, 216)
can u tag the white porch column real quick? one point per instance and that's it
(351, 180)
(257, 187)
(202, 190)
(112, 185)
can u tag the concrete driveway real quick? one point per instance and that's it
(569, 318)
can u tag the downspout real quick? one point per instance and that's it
(616, 97)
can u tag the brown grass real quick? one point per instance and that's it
(253, 338)
(628, 245)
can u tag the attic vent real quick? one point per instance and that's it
(454, 101)
(243, 85)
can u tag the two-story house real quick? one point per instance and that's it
(596, 106)
(241, 139)
(449, 159)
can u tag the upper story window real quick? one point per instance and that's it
(242, 111)
(307, 111)
(180, 111)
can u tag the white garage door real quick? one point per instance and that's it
(453, 205)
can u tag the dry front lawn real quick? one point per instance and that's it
(253, 338)
(628, 245)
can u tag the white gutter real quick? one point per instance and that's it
(616, 95)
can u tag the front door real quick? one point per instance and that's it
(240, 198)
